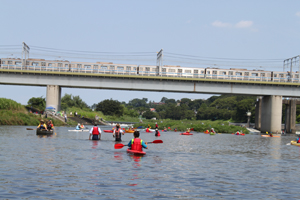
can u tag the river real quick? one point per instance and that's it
(69, 166)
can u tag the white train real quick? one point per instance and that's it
(147, 70)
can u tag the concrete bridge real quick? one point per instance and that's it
(271, 93)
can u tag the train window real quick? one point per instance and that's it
(262, 74)
(66, 65)
(35, 64)
(134, 69)
(188, 71)
(275, 75)
(195, 71)
(27, 63)
(43, 64)
(215, 72)
(120, 68)
(141, 69)
(297, 76)
(179, 70)
(223, 73)
(18, 63)
(246, 74)
(112, 67)
(128, 68)
(254, 74)
(202, 71)
(78, 65)
(154, 69)
(238, 73)
(3, 62)
(87, 66)
(164, 70)
(208, 72)
(95, 66)
(103, 67)
(49, 64)
(147, 69)
(59, 64)
(281, 75)
(10, 62)
(230, 73)
(170, 70)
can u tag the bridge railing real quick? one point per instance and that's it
(150, 73)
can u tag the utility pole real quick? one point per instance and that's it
(290, 62)
(159, 61)
(25, 53)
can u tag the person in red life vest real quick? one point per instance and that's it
(157, 133)
(49, 125)
(118, 133)
(96, 132)
(156, 125)
(137, 143)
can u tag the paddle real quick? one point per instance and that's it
(120, 146)
(30, 128)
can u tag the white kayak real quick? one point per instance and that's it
(82, 130)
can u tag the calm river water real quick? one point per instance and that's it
(69, 166)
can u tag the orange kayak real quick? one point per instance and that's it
(270, 136)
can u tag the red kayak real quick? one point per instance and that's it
(186, 133)
(136, 152)
(108, 131)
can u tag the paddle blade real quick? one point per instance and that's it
(157, 141)
(29, 128)
(119, 146)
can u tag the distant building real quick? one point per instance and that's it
(152, 109)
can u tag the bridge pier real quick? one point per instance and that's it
(290, 115)
(271, 114)
(258, 113)
(53, 96)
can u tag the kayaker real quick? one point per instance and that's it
(175, 129)
(42, 125)
(149, 126)
(188, 130)
(157, 133)
(212, 130)
(78, 127)
(156, 125)
(118, 133)
(271, 135)
(81, 126)
(298, 139)
(49, 125)
(136, 143)
(96, 132)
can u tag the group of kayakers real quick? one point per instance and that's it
(45, 126)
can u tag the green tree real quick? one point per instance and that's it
(68, 101)
(37, 103)
(110, 107)
(149, 114)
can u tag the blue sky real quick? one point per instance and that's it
(242, 34)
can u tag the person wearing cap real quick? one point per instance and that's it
(157, 133)
(96, 132)
(118, 133)
(42, 125)
(78, 126)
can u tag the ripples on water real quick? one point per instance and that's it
(69, 166)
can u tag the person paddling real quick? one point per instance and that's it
(50, 126)
(78, 127)
(42, 125)
(136, 143)
(96, 132)
(118, 133)
(157, 133)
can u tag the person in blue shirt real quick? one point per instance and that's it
(298, 139)
(78, 127)
(136, 143)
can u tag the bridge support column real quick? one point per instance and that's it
(258, 113)
(271, 114)
(53, 96)
(290, 116)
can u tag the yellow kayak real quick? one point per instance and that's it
(295, 143)
(129, 131)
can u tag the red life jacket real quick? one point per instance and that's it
(95, 130)
(136, 144)
(117, 132)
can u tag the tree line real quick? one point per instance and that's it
(223, 107)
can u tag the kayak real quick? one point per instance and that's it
(108, 131)
(270, 136)
(212, 134)
(82, 130)
(295, 143)
(42, 132)
(136, 152)
(240, 134)
(186, 133)
(129, 131)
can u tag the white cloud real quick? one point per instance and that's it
(244, 24)
(221, 24)
(298, 14)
